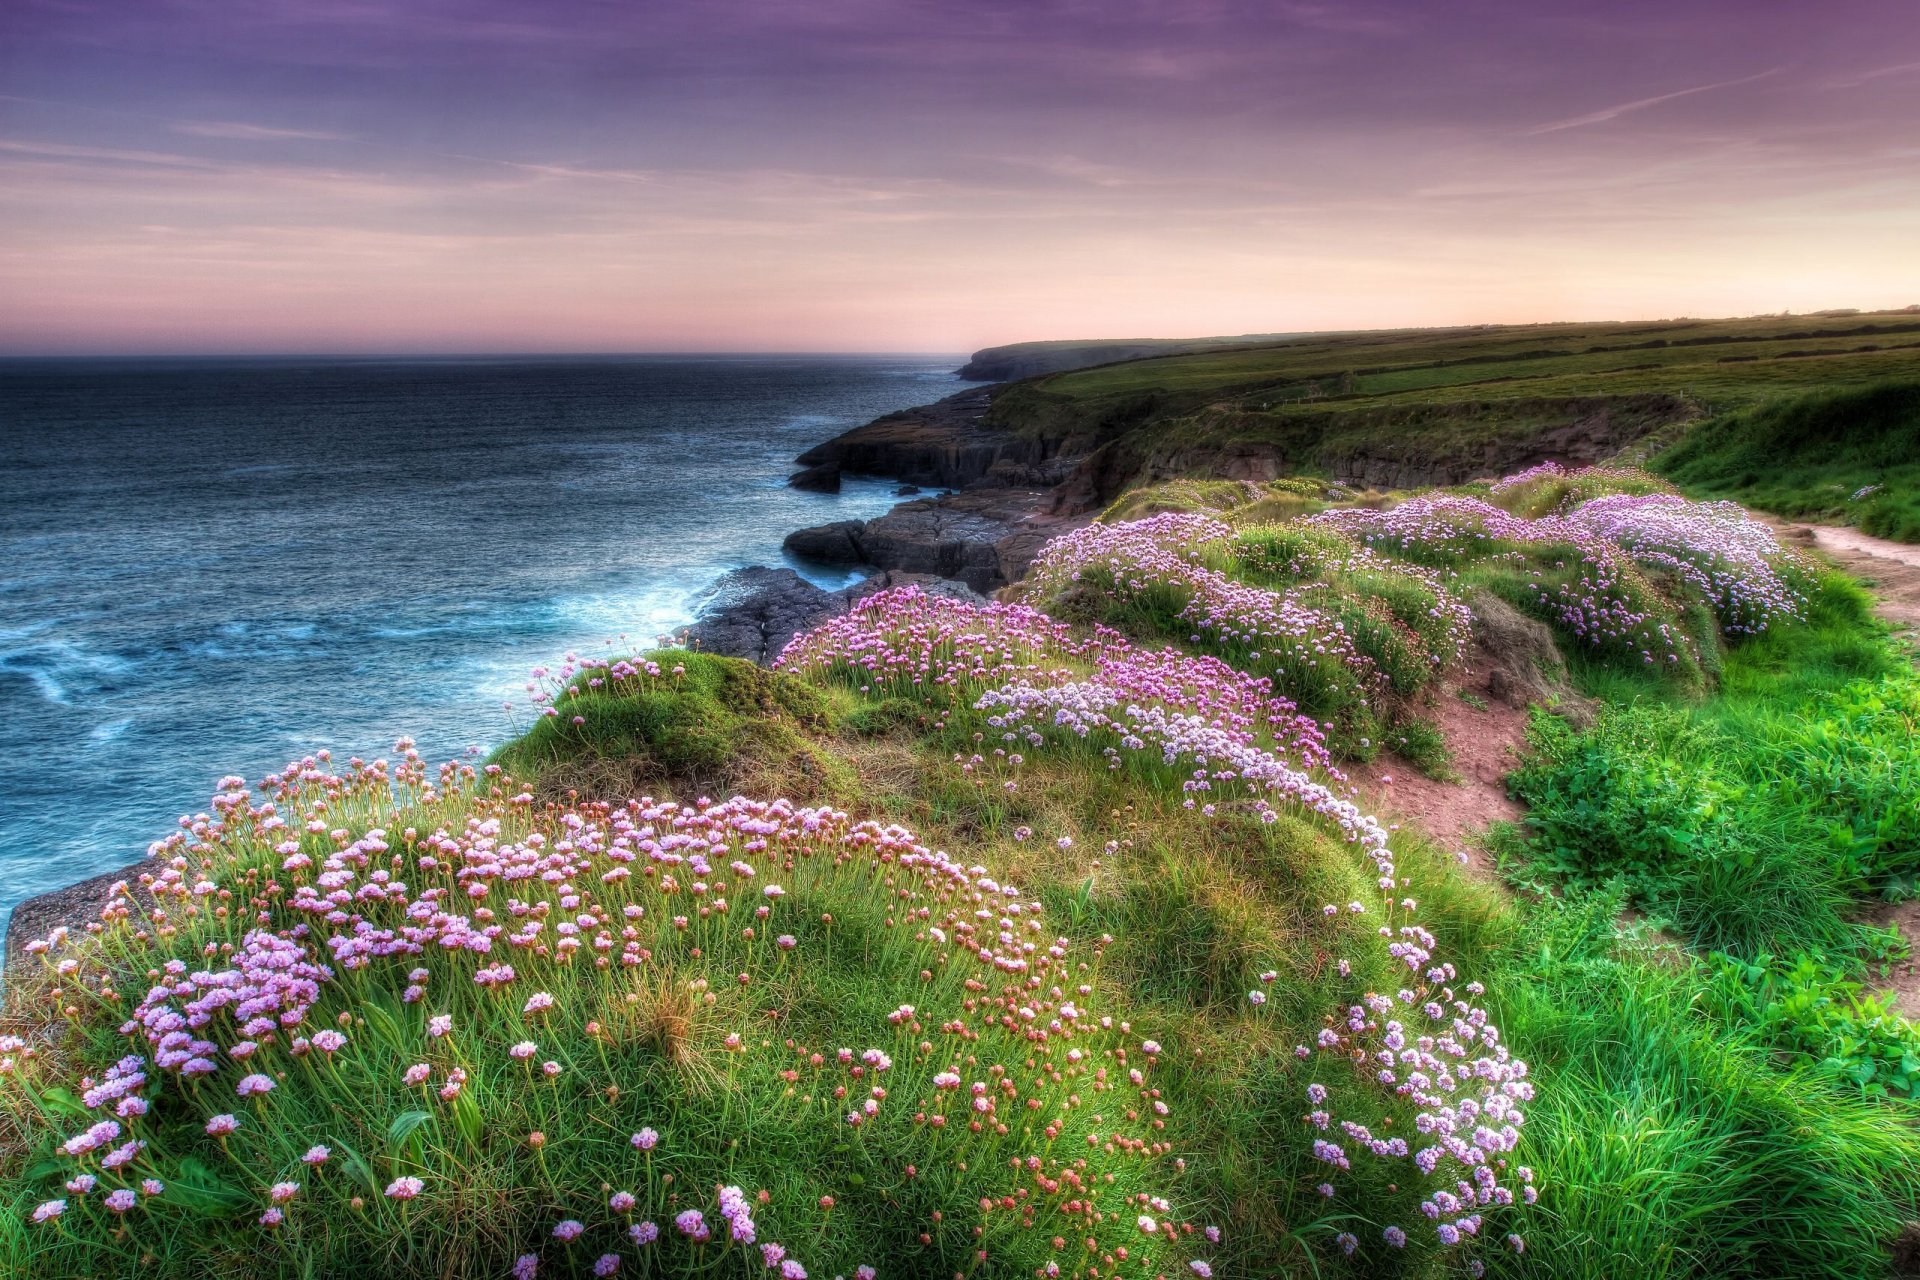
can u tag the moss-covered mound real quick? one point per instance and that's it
(703, 725)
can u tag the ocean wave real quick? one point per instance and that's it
(102, 734)
(60, 670)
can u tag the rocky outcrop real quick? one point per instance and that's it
(984, 537)
(753, 613)
(946, 445)
(75, 906)
(824, 478)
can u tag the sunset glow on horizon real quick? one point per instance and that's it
(200, 176)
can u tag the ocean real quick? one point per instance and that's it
(217, 566)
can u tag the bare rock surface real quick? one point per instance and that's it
(947, 444)
(983, 537)
(755, 613)
(824, 478)
(73, 906)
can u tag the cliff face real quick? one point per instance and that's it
(946, 445)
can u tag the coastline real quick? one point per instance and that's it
(979, 536)
(1004, 500)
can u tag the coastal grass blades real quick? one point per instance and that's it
(413, 1021)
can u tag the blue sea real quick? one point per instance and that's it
(217, 566)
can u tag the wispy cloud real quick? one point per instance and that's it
(1641, 104)
(1859, 78)
(252, 132)
(112, 155)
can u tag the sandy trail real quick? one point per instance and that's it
(1891, 569)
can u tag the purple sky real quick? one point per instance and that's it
(577, 175)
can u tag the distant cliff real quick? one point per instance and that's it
(1029, 359)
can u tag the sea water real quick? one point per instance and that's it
(217, 566)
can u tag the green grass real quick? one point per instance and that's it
(1848, 456)
(1733, 1106)
(1672, 1142)
(1451, 404)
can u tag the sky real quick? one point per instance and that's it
(214, 176)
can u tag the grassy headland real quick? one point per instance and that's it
(1051, 938)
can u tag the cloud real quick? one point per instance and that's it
(1641, 104)
(1859, 78)
(115, 155)
(252, 132)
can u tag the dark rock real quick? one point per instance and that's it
(824, 478)
(74, 906)
(827, 543)
(985, 538)
(906, 491)
(753, 613)
(947, 445)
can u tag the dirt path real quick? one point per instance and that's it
(1891, 569)
(1486, 737)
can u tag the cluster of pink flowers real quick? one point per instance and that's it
(1733, 561)
(1430, 1044)
(1521, 479)
(1308, 649)
(402, 877)
(904, 641)
(1205, 718)
(1606, 602)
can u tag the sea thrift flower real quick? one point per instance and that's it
(222, 1125)
(643, 1233)
(568, 1230)
(120, 1201)
(645, 1140)
(404, 1188)
(316, 1156)
(49, 1210)
(253, 1085)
